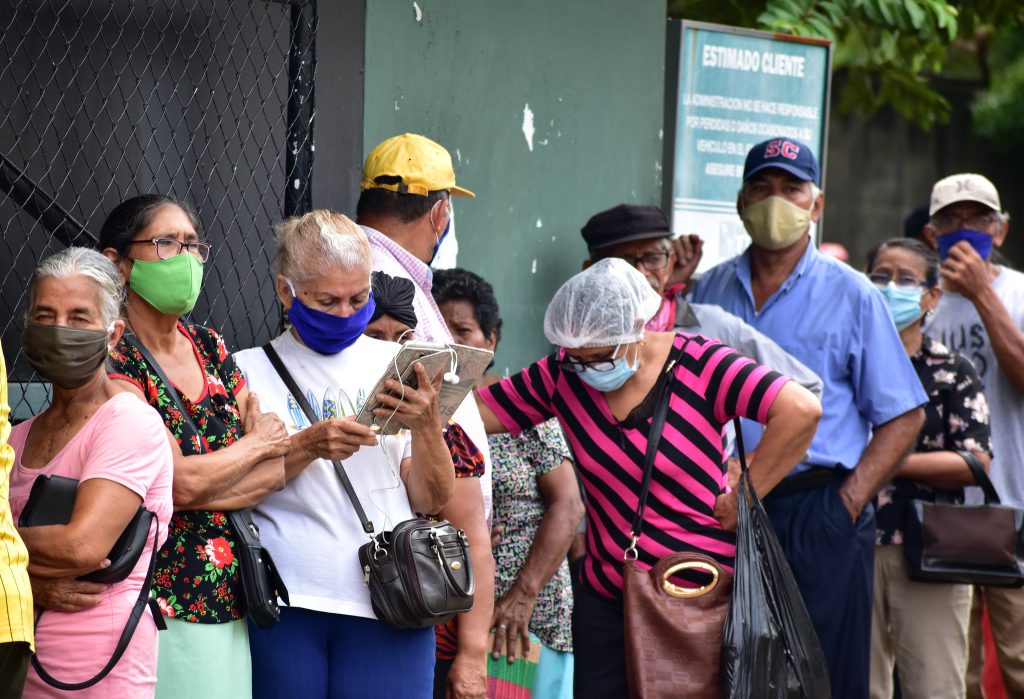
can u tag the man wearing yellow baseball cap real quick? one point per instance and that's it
(405, 211)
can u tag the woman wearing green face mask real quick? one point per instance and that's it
(921, 627)
(227, 453)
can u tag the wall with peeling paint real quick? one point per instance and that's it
(552, 112)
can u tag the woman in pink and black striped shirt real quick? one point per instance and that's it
(602, 385)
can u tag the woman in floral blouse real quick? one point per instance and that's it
(227, 453)
(921, 628)
(537, 508)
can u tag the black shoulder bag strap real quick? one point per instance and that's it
(653, 441)
(307, 409)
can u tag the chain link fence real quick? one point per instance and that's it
(208, 101)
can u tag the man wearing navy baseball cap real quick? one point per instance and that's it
(830, 318)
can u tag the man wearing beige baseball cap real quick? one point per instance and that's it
(981, 315)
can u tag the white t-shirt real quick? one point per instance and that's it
(956, 324)
(310, 527)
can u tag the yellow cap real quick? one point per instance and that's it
(422, 165)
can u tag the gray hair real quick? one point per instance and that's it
(308, 245)
(87, 263)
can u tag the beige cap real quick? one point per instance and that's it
(964, 187)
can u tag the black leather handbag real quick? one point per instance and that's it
(262, 585)
(419, 573)
(948, 542)
(51, 501)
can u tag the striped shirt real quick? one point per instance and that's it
(713, 384)
(15, 590)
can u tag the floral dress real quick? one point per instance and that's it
(197, 576)
(516, 464)
(956, 419)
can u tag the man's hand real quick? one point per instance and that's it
(965, 272)
(725, 510)
(66, 594)
(511, 624)
(416, 408)
(851, 502)
(467, 678)
(688, 249)
(265, 427)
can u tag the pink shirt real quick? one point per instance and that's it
(124, 441)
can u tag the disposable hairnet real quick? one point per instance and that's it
(608, 303)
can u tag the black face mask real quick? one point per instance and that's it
(68, 357)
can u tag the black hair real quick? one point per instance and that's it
(928, 256)
(132, 216)
(462, 285)
(404, 207)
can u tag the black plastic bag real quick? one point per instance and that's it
(770, 649)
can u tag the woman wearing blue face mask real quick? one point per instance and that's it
(921, 628)
(603, 384)
(329, 642)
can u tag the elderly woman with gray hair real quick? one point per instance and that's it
(329, 642)
(116, 447)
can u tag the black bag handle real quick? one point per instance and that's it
(653, 441)
(980, 477)
(307, 409)
(141, 602)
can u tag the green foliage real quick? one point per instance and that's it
(889, 49)
(997, 110)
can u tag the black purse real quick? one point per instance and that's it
(51, 501)
(948, 542)
(261, 583)
(419, 573)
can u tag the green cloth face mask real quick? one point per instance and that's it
(775, 223)
(170, 286)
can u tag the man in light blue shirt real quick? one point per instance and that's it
(830, 318)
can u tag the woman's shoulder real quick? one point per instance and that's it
(125, 408)
(206, 338)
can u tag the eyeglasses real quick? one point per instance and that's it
(975, 222)
(575, 366)
(904, 282)
(652, 261)
(166, 248)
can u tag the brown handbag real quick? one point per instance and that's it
(673, 633)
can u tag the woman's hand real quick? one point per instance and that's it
(66, 594)
(511, 623)
(266, 428)
(336, 440)
(415, 408)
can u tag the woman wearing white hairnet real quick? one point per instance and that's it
(603, 385)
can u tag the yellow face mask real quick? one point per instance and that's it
(775, 223)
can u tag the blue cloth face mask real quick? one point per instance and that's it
(981, 242)
(904, 304)
(326, 333)
(614, 378)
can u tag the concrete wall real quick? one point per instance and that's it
(471, 74)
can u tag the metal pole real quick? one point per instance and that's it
(42, 206)
(301, 70)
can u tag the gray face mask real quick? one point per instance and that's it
(68, 357)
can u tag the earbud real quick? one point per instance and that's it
(451, 377)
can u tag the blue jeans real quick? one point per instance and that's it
(316, 655)
(833, 562)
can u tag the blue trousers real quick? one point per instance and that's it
(316, 655)
(833, 561)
